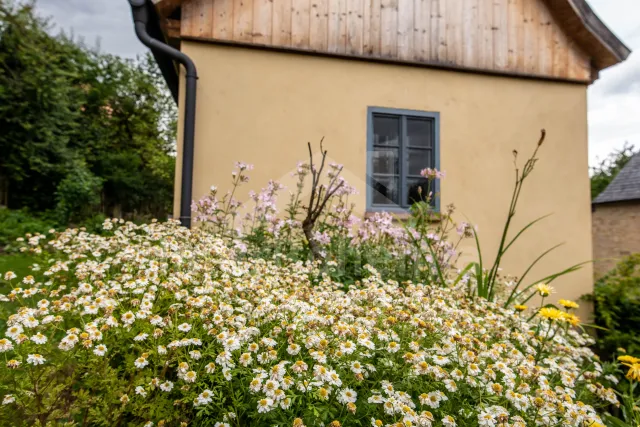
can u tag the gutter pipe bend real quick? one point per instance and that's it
(140, 20)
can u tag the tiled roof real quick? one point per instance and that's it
(625, 186)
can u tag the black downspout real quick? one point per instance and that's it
(140, 20)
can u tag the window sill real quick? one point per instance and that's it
(400, 216)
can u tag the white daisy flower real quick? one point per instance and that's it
(35, 359)
(184, 327)
(100, 350)
(166, 386)
(141, 362)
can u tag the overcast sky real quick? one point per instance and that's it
(614, 100)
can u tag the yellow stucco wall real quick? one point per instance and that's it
(262, 107)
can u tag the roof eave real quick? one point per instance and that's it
(588, 30)
(597, 202)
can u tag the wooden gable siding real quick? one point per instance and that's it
(510, 36)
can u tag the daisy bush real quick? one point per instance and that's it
(160, 325)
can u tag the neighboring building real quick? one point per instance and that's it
(395, 86)
(616, 218)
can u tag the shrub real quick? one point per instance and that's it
(78, 194)
(616, 300)
(14, 224)
(159, 324)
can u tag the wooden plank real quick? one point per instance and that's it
(354, 27)
(441, 54)
(262, 21)
(318, 25)
(389, 25)
(520, 37)
(512, 35)
(405, 29)
(187, 18)
(531, 36)
(366, 27)
(204, 18)
(500, 34)
(223, 19)
(560, 53)
(485, 33)
(242, 20)
(579, 67)
(422, 29)
(453, 21)
(470, 25)
(545, 41)
(337, 26)
(571, 62)
(300, 13)
(281, 23)
(585, 67)
(376, 29)
(433, 26)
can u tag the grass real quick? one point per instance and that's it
(18, 263)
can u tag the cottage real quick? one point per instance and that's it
(394, 86)
(616, 218)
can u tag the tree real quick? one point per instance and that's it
(39, 108)
(607, 169)
(69, 112)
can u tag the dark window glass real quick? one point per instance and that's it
(417, 190)
(386, 130)
(418, 160)
(419, 132)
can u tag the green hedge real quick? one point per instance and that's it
(617, 308)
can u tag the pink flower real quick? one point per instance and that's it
(432, 173)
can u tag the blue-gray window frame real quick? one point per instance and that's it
(403, 162)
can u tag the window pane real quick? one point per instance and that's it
(419, 132)
(418, 190)
(385, 161)
(418, 160)
(385, 190)
(386, 130)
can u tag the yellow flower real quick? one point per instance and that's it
(634, 372)
(551, 313)
(544, 289)
(571, 318)
(520, 307)
(628, 359)
(568, 304)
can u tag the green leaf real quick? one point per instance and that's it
(612, 421)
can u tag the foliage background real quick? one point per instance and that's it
(617, 309)
(84, 133)
(603, 173)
